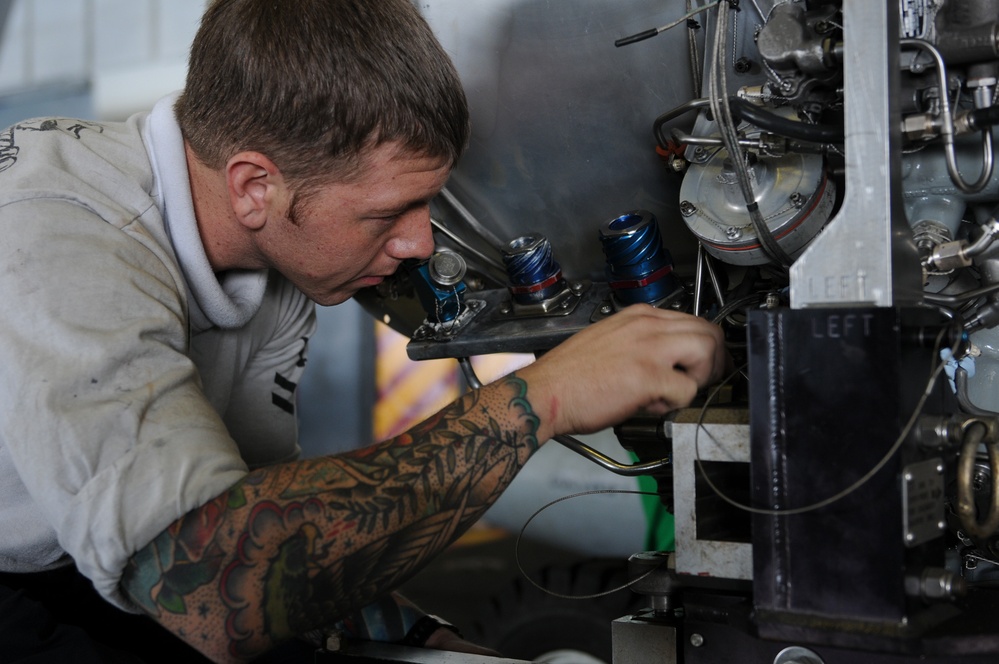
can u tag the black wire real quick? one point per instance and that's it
(951, 300)
(934, 374)
(764, 119)
(734, 306)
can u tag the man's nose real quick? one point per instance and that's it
(415, 238)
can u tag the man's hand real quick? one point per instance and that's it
(294, 547)
(642, 357)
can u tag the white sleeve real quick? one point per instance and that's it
(101, 410)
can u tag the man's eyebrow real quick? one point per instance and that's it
(399, 209)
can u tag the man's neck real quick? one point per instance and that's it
(224, 239)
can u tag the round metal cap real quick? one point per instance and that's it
(446, 268)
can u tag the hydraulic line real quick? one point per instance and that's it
(760, 117)
(976, 434)
(947, 125)
(577, 446)
(723, 116)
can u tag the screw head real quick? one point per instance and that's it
(687, 208)
(696, 640)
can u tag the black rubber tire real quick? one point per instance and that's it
(525, 622)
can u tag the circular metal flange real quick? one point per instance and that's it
(797, 655)
(794, 196)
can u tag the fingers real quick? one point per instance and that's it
(641, 357)
(688, 343)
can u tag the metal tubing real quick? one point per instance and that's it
(975, 434)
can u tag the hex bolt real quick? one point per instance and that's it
(699, 153)
(733, 233)
(797, 200)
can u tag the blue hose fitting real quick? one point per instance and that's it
(534, 274)
(639, 268)
(438, 284)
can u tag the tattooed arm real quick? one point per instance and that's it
(297, 546)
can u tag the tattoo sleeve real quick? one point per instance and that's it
(298, 546)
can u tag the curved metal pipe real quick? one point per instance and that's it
(604, 461)
(577, 446)
(975, 434)
(961, 385)
(947, 125)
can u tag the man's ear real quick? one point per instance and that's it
(256, 188)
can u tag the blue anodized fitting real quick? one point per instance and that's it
(534, 274)
(639, 268)
(438, 283)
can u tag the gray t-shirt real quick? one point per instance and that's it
(135, 383)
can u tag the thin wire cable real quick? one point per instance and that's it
(646, 34)
(576, 445)
(718, 95)
(473, 381)
(967, 296)
(696, 74)
(934, 374)
(520, 536)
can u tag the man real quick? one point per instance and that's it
(158, 277)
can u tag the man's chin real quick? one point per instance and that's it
(331, 299)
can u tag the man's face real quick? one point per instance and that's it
(346, 236)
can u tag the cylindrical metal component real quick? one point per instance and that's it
(797, 655)
(446, 268)
(438, 283)
(530, 265)
(654, 575)
(639, 268)
(936, 584)
(793, 194)
(970, 44)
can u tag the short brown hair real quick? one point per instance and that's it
(313, 83)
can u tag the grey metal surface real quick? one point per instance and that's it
(497, 329)
(865, 255)
(723, 436)
(562, 120)
(638, 641)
